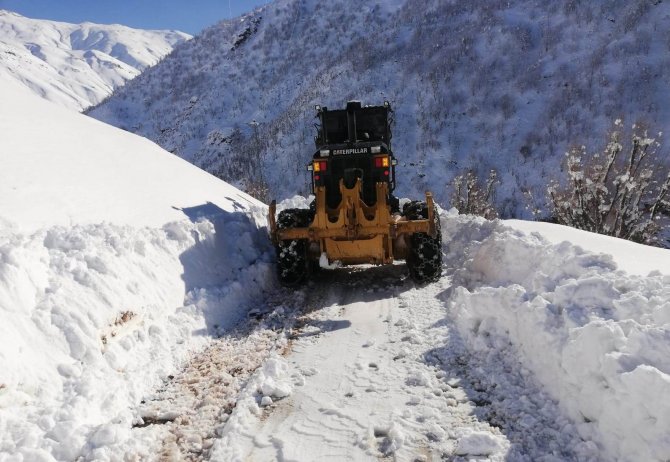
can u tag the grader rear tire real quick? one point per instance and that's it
(424, 260)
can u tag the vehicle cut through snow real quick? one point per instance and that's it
(355, 218)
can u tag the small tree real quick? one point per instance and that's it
(471, 197)
(620, 192)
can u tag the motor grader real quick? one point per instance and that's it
(355, 218)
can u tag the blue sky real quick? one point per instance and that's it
(188, 16)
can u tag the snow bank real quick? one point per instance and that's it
(597, 339)
(117, 260)
(629, 256)
(95, 316)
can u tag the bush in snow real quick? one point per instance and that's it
(472, 198)
(621, 192)
(258, 189)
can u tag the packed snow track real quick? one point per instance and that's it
(360, 365)
(379, 373)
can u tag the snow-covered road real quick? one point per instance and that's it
(360, 365)
(386, 376)
(351, 397)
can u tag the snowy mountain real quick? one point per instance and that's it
(141, 320)
(475, 85)
(77, 65)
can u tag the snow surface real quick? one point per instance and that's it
(596, 339)
(360, 388)
(117, 259)
(141, 320)
(629, 256)
(77, 65)
(62, 169)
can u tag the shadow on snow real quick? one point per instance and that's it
(506, 396)
(226, 273)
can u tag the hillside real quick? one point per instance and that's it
(476, 85)
(77, 65)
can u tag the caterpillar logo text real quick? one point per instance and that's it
(339, 152)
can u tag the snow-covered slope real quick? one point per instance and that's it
(116, 260)
(478, 84)
(630, 257)
(77, 65)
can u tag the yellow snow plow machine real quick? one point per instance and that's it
(354, 218)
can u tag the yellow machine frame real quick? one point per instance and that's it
(355, 233)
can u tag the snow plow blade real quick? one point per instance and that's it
(355, 233)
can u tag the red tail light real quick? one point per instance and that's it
(320, 165)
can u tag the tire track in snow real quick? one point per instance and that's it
(368, 394)
(386, 377)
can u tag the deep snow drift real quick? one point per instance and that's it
(596, 338)
(116, 260)
(77, 65)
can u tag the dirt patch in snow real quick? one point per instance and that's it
(114, 328)
(195, 404)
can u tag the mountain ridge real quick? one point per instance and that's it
(77, 65)
(476, 86)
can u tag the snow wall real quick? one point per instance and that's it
(597, 339)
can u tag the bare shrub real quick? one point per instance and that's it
(472, 197)
(621, 191)
(258, 189)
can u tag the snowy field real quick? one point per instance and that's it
(141, 320)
